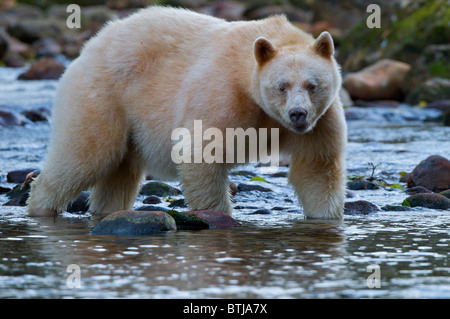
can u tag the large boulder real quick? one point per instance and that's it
(382, 80)
(432, 173)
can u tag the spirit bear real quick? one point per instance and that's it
(162, 68)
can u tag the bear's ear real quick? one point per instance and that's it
(263, 50)
(324, 45)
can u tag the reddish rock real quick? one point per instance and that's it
(433, 173)
(43, 69)
(379, 81)
(216, 219)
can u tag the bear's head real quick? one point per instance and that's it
(296, 84)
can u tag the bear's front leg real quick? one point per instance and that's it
(320, 186)
(317, 169)
(206, 186)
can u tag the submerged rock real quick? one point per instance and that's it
(135, 223)
(215, 218)
(431, 200)
(159, 189)
(360, 207)
(432, 173)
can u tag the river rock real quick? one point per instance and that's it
(250, 187)
(431, 200)
(40, 115)
(395, 208)
(178, 203)
(159, 189)
(46, 47)
(360, 184)
(186, 221)
(432, 173)
(261, 212)
(80, 205)
(43, 69)
(381, 80)
(152, 199)
(9, 118)
(446, 193)
(4, 190)
(441, 105)
(19, 176)
(433, 89)
(417, 190)
(215, 218)
(134, 223)
(360, 207)
(151, 208)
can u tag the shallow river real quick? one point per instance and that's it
(279, 255)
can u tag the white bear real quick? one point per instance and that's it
(162, 68)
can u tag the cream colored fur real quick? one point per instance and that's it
(160, 69)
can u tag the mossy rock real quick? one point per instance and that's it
(135, 223)
(395, 208)
(187, 221)
(416, 26)
(159, 189)
(429, 200)
(446, 193)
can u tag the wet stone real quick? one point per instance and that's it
(429, 200)
(152, 208)
(261, 212)
(178, 203)
(215, 219)
(186, 221)
(359, 184)
(80, 205)
(249, 188)
(360, 207)
(417, 190)
(152, 199)
(395, 208)
(159, 189)
(446, 193)
(135, 223)
(18, 176)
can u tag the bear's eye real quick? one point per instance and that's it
(312, 87)
(282, 89)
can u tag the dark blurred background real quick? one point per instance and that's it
(406, 60)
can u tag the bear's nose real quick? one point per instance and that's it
(298, 116)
